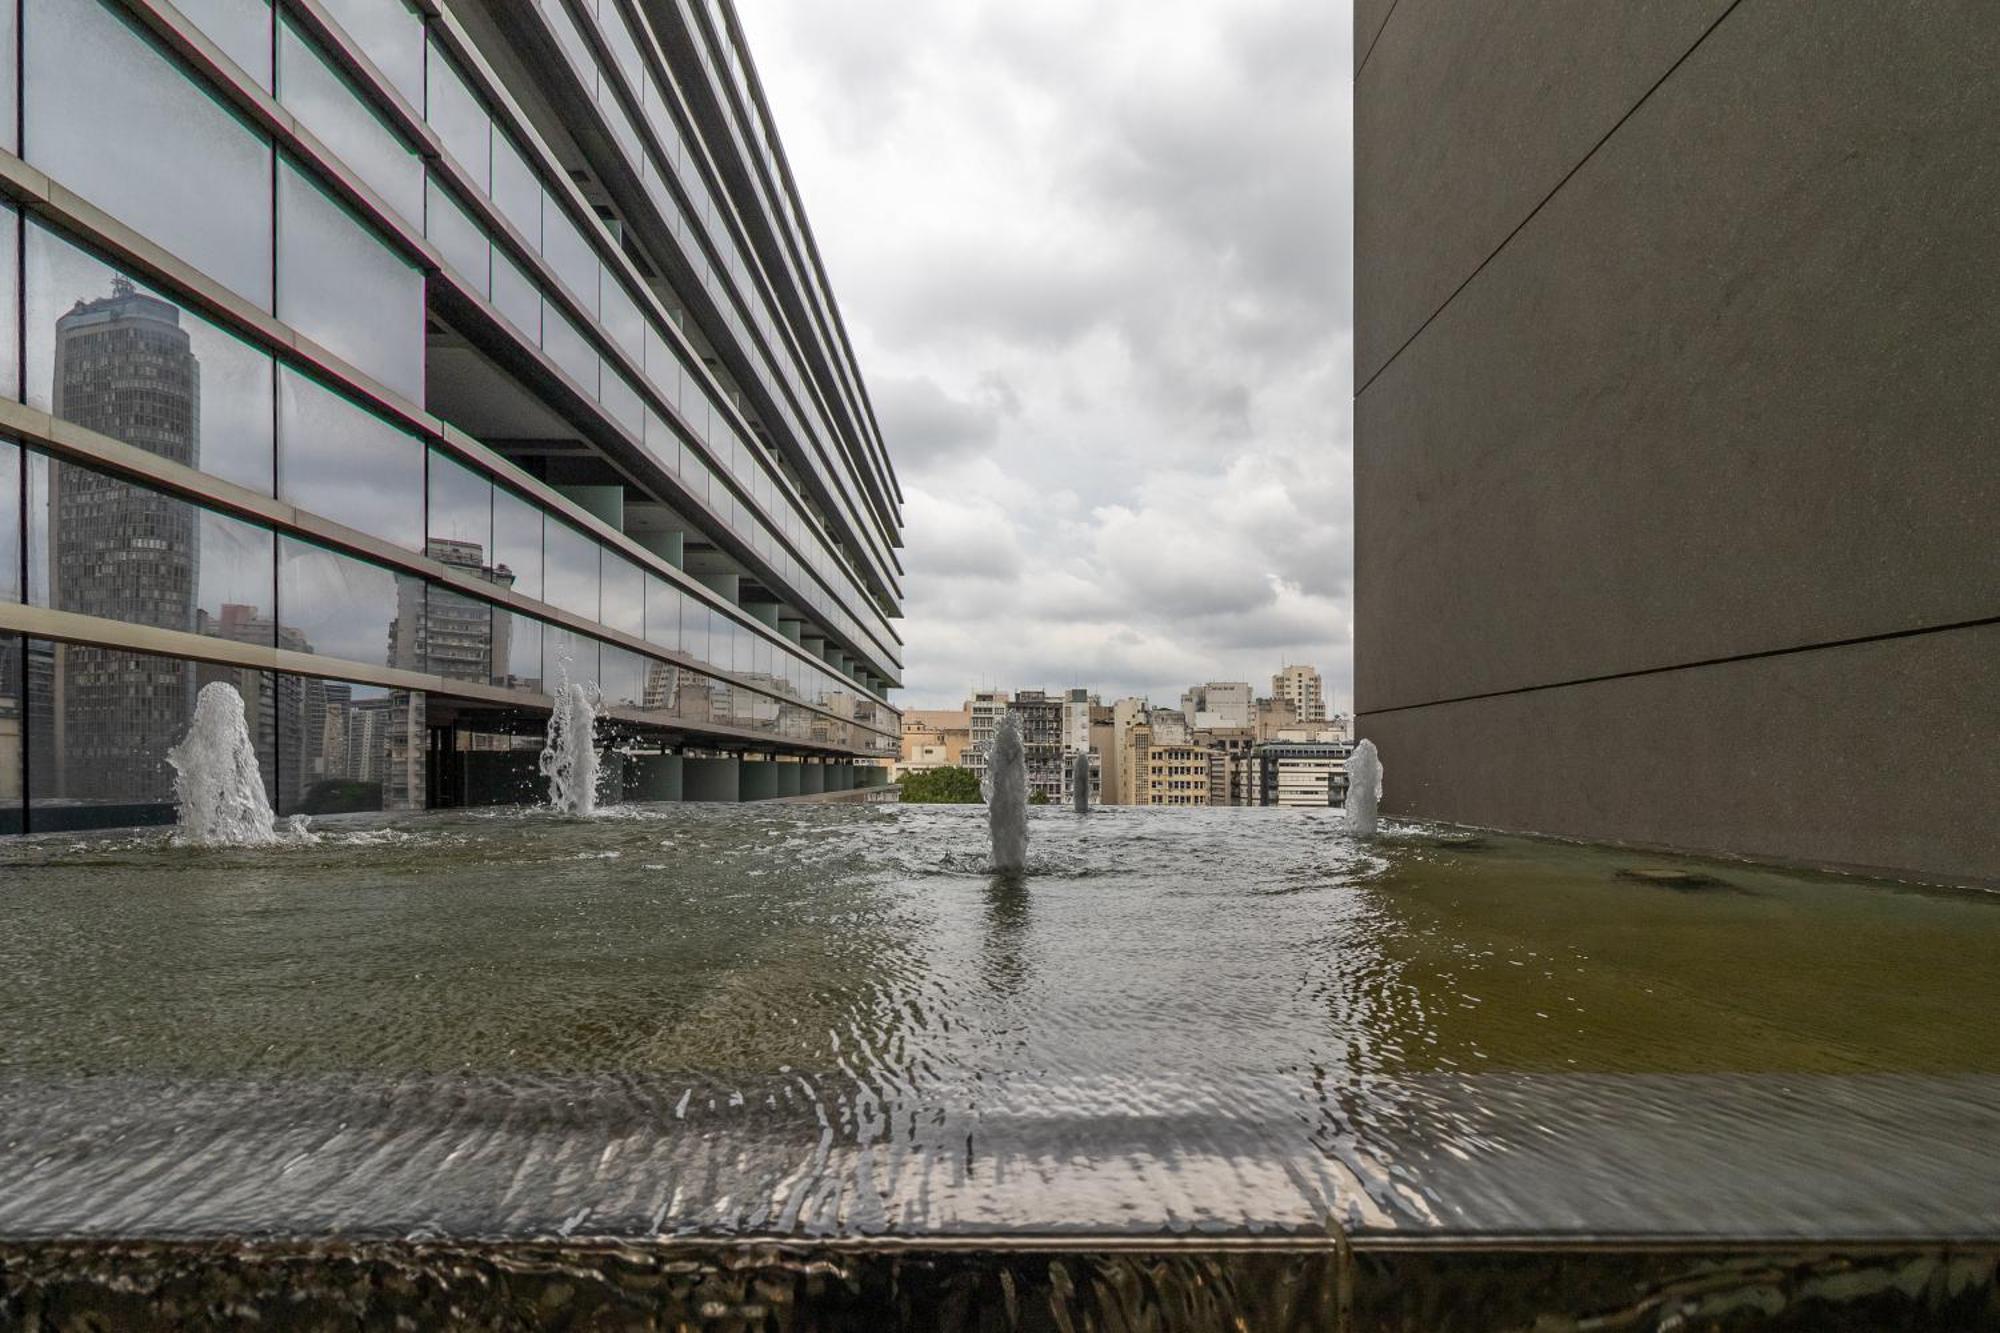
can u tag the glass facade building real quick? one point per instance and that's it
(395, 362)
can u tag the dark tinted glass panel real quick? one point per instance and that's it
(337, 606)
(342, 287)
(10, 526)
(622, 676)
(113, 549)
(624, 596)
(109, 116)
(389, 34)
(464, 247)
(517, 542)
(331, 109)
(517, 650)
(101, 722)
(337, 459)
(459, 120)
(348, 747)
(242, 28)
(112, 356)
(570, 578)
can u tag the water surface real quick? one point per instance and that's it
(823, 1021)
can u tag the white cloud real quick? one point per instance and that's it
(1095, 261)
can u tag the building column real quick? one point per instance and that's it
(711, 778)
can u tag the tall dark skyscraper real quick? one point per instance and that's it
(125, 367)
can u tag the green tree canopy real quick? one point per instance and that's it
(941, 786)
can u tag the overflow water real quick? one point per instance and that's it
(1203, 1030)
(1007, 798)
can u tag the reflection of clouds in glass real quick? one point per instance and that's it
(126, 129)
(517, 540)
(236, 565)
(461, 503)
(347, 291)
(342, 606)
(234, 421)
(10, 522)
(348, 464)
(570, 573)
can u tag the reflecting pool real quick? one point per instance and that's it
(831, 1023)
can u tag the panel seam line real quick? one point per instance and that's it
(1761, 655)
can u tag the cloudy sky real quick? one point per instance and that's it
(1095, 262)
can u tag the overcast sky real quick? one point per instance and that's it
(1095, 260)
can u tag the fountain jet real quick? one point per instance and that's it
(1007, 799)
(569, 756)
(1079, 778)
(217, 782)
(1364, 789)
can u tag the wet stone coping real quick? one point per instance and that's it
(1057, 1282)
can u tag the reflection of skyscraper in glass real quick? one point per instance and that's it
(124, 367)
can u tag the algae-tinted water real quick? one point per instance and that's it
(825, 1022)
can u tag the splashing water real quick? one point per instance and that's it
(1364, 789)
(1007, 803)
(569, 758)
(1079, 778)
(217, 782)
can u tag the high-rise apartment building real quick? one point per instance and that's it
(1673, 424)
(1300, 687)
(1219, 703)
(473, 345)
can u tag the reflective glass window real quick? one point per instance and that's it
(327, 105)
(570, 576)
(624, 595)
(621, 400)
(460, 121)
(662, 442)
(517, 650)
(663, 364)
(517, 543)
(456, 635)
(620, 317)
(124, 552)
(516, 191)
(338, 606)
(622, 676)
(573, 45)
(460, 513)
(342, 287)
(695, 621)
(10, 532)
(106, 721)
(115, 357)
(567, 656)
(663, 613)
(10, 299)
(112, 118)
(349, 747)
(337, 459)
(516, 298)
(10, 126)
(574, 262)
(458, 238)
(568, 348)
(389, 34)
